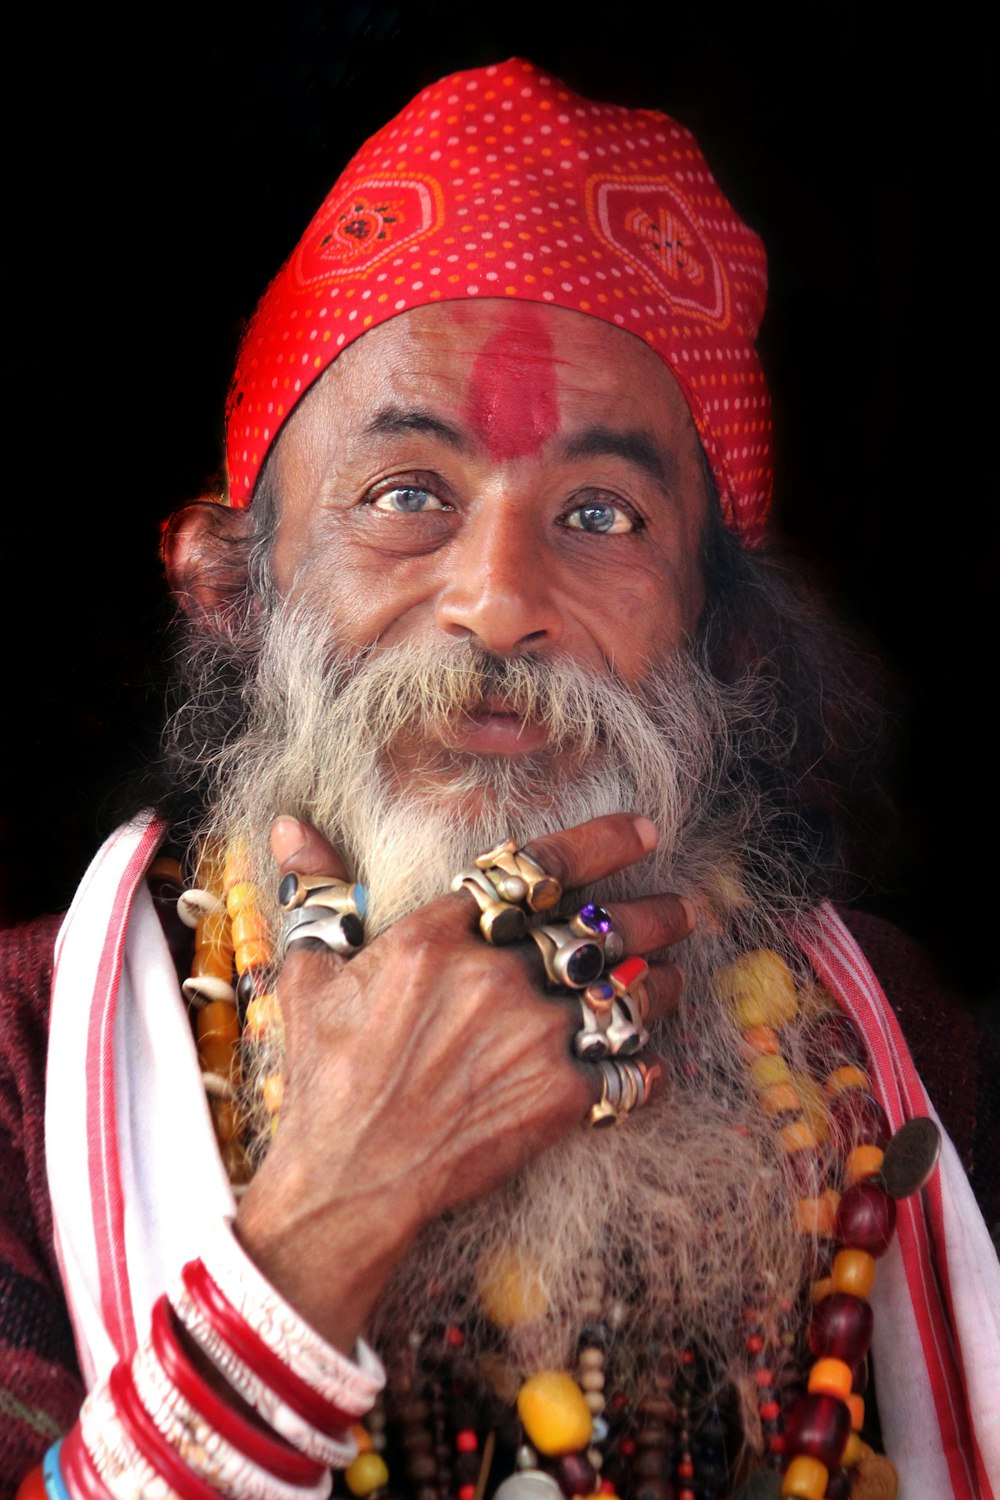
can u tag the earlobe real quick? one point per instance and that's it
(205, 548)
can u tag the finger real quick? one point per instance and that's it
(297, 846)
(590, 851)
(652, 922)
(663, 985)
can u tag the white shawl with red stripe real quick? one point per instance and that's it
(136, 1179)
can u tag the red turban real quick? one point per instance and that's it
(500, 182)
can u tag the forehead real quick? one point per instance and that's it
(489, 362)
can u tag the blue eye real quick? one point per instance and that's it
(601, 517)
(407, 499)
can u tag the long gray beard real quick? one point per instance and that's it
(679, 1219)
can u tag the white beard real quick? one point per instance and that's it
(677, 1220)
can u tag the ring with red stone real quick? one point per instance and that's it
(570, 961)
(519, 878)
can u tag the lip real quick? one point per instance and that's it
(492, 729)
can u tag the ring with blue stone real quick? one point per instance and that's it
(570, 961)
(595, 921)
(346, 896)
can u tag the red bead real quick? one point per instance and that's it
(866, 1219)
(627, 1446)
(33, 1486)
(575, 1475)
(764, 1377)
(770, 1411)
(685, 1469)
(777, 1442)
(466, 1442)
(755, 1343)
(856, 1118)
(818, 1427)
(841, 1328)
(467, 1492)
(454, 1336)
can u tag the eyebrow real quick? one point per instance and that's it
(634, 445)
(390, 420)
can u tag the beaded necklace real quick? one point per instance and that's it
(564, 1433)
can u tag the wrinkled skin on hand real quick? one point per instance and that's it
(422, 1073)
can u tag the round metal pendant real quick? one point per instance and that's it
(910, 1158)
(529, 1484)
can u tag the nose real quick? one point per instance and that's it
(501, 587)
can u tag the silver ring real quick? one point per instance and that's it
(570, 961)
(341, 932)
(590, 1043)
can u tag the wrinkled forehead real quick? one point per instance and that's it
(502, 379)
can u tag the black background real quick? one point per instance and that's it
(158, 170)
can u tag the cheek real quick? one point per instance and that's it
(640, 614)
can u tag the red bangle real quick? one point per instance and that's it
(307, 1403)
(77, 1468)
(267, 1451)
(150, 1441)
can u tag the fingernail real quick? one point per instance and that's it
(288, 838)
(648, 836)
(691, 911)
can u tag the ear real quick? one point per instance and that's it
(206, 550)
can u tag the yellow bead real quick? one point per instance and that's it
(853, 1271)
(554, 1413)
(845, 1078)
(760, 988)
(854, 1451)
(806, 1478)
(862, 1162)
(510, 1292)
(243, 893)
(768, 1070)
(830, 1377)
(236, 867)
(856, 1406)
(821, 1289)
(367, 1473)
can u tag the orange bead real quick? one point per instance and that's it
(805, 1479)
(862, 1162)
(165, 868)
(249, 926)
(830, 1377)
(813, 1106)
(762, 1041)
(214, 960)
(243, 893)
(780, 1099)
(361, 1435)
(235, 868)
(798, 1136)
(856, 1406)
(821, 1289)
(218, 1019)
(224, 1118)
(853, 1271)
(273, 1093)
(847, 1077)
(263, 1012)
(254, 955)
(217, 1056)
(816, 1215)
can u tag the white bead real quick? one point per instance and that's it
(591, 1359)
(592, 1380)
(194, 904)
(202, 988)
(595, 1401)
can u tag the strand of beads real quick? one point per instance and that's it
(212, 996)
(253, 955)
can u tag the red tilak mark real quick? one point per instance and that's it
(512, 393)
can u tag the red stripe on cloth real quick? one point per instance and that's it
(845, 970)
(107, 1201)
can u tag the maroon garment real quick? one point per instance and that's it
(40, 1385)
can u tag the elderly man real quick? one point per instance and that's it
(508, 780)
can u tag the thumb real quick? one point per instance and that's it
(297, 846)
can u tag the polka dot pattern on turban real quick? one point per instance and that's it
(500, 182)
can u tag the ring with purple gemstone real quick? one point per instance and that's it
(595, 922)
(570, 961)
